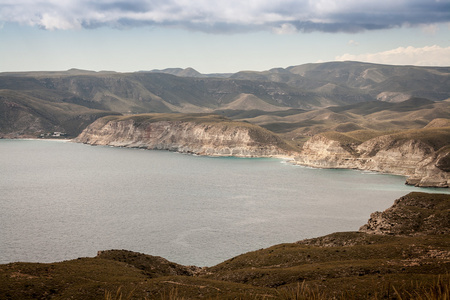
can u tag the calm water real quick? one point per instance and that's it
(61, 200)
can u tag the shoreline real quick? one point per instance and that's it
(289, 159)
(386, 249)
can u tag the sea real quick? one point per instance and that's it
(61, 200)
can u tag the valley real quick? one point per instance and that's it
(283, 100)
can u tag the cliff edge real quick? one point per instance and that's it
(422, 155)
(415, 214)
(201, 134)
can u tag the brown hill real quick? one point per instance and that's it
(347, 265)
(307, 87)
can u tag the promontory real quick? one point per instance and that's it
(201, 134)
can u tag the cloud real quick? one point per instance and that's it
(426, 56)
(353, 43)
(54, 21)
(228, 16)
(285, 28)
(430, 29)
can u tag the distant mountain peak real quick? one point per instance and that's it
(187, 72)
(75, 70)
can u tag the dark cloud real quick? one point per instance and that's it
(349, 27)
(122, 6)
(228, 16)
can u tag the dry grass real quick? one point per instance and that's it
(301, 292)
(440, 290)
(118, 295)
(349, 265)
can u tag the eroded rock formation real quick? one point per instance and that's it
(413, 214)
(188, 135)
(419, 161)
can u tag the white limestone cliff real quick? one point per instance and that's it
(413, 158)
(214, 139)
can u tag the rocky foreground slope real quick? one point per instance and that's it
(198, 134)
(421, 155)
(415, 214)
(402, 253)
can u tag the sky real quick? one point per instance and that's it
(219, 36)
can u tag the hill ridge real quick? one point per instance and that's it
(340, 265)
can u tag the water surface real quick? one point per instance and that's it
(61, 200)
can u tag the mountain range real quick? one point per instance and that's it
(391, 119)
(279, 99)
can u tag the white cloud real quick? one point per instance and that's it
(431, 29)
(231, 15)
(285, 28)
(353, 43)
(52, 22)
(425, 56)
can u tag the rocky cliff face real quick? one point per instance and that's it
(418, 160)
(225, 138)
(322, 152)
(413, 214)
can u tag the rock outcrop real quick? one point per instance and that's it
(422, 160)
(414, 214)
(323, 152)
(197, 134)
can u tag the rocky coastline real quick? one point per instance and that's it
(195, 136)
(420, 162)
(415, 214)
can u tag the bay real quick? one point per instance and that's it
(61, 200)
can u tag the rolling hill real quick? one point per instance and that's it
(413, 113)
(382, 82)
(272, 98)
(396, 255)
